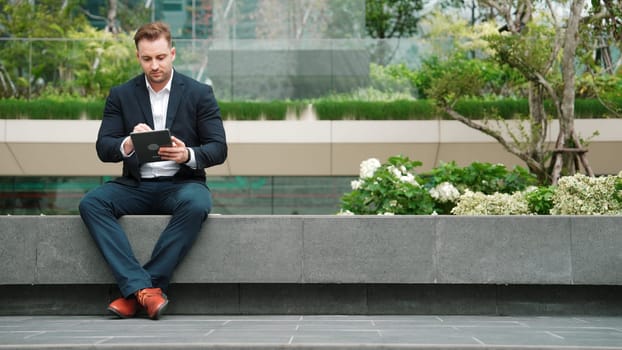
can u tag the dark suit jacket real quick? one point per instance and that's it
(193, 116)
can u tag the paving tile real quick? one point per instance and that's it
(311, 332)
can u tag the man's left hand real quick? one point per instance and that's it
(177, 152)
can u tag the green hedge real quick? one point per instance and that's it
(51, 108)
(73, 108)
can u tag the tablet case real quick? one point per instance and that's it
(147, 144)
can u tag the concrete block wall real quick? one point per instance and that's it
(347, 264)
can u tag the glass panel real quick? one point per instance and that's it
(43, 195)
(232, 195)
(248, 49)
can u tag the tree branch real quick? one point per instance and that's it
(532, 163)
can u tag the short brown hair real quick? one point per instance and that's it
(153, 31)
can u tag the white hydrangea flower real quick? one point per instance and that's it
(477, 203)
(356, 184)
(445, 192)
(585, 195)
(369, 167)
(395, 171)
(345, 212)
(409, 178)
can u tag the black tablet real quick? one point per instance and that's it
(147, 144)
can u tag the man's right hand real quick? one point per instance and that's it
(141, 127)
(128, 145)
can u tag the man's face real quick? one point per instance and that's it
(156, 59)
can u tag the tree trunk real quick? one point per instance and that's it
(111, 20)
(567, 135)
(571, 40)
(539, 126)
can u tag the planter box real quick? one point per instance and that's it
(496, 265)
(537, 250)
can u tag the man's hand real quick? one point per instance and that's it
(128, 146)
(177, 152)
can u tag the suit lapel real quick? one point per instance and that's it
(177, 91)
(142, 96)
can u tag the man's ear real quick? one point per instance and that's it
(173, 52)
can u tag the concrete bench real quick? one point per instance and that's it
(333, 264)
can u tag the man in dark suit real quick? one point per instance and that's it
(158, 99)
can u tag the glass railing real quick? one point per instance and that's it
(251, 195)
(237, 69)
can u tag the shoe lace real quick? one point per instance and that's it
(147, 293)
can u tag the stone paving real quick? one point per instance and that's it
(311, 332)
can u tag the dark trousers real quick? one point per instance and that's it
(187, 203)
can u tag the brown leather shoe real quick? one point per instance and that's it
(153, 300)
(124, 308)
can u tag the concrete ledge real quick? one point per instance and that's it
(494, 265)
(551, 250)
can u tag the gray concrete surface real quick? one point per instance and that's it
(311, 332)
(302, 249)
(327, 299)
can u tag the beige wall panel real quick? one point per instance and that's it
(9, 163)
(466, 153)
(347, 157)
(76, 159)
(605, 157)
(607, 129)
(66, 148)
(279, 159)
(51, 131)
(385, 131)
(3, 130)
(220, 170)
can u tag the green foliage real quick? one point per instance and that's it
(100, 61)
(31, 65)
(486, 178)
(391, 18)
(529, 53)
(326, 109)
(505, 109)
(394, 188)
(592, 86)
(583, 195)
(395, 79)
(386, 84)
(455, 79)
(52, 107)
(389, 189)
(80, 61)
(275, 110)
(594, 109)
(540, 200)
(617, 188)
(460, 77)
(40, 19)
(361, 110)
(477, 203)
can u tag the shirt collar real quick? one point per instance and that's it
(167, 87)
